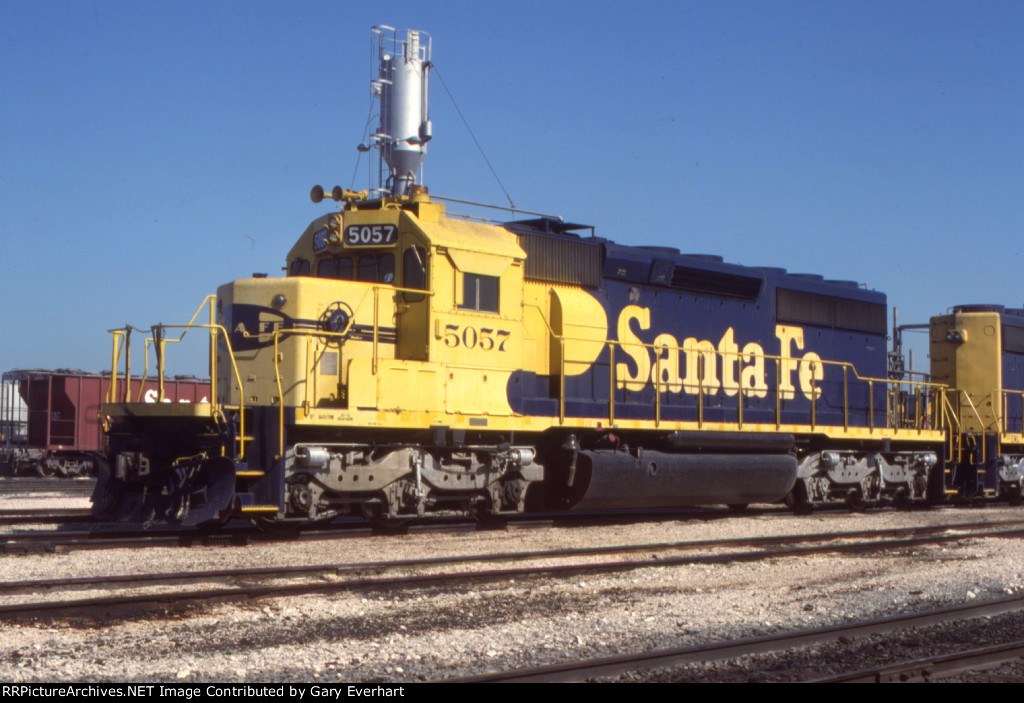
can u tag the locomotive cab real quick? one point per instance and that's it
(311, 325)
(394, 323)
(384, 308)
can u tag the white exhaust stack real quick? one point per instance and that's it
(401, 87)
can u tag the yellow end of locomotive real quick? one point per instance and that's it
(389, 306)
(966, 355)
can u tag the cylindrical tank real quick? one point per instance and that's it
(617, 479)
(404, 124)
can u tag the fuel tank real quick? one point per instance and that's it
(605, 479)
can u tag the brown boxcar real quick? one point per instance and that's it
(50, 420)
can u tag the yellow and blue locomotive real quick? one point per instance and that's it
(414, 364)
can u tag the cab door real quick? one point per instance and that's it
(413, 309)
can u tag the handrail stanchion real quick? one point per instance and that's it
(846, 400)
(213, 348)
(657, 389)
(611, 385)
(814, 398)
(561, 381)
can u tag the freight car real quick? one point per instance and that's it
(414, 364)
(50, 420)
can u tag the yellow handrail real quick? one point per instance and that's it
(125, 335)
(372, 292)
(849, 371)
(121, 345)
(1004, 407)
(161, 343)
(216, 406)
(341, 336)
(897, 414)
(977, 416)
(120, 339)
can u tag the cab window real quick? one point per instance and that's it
(299, 267)
(338, 267)
(479, 292)
(368, 267)
(414, 272)
(377, 268)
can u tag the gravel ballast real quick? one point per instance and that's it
(443, 632)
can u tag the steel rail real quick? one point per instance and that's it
(357, 580)
(617, 665)
(23, 542)
(20, 543)
(44, 515)
(381, 566)
(931, 668)
(64, 486)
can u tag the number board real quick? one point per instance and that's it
(320, 240)
(371, 235)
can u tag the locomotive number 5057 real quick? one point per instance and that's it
(485, 339)
(370, 235)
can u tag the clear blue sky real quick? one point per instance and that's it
(150, 151)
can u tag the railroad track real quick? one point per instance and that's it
(115, 536)
(933, 668)
(67, 541)
(61, 486)
(21, 543)
(44, 516)
(923, 669)
(417, 573)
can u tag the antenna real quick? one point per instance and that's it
(401, 86)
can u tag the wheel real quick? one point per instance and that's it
(107, 498)
(1013, 495)
(855, 502)
(798, 501)
(44, 469)
(373, 513)
(274, 526)
(902, 501)
(486, 518)
(78, 468)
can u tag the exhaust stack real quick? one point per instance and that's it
(401, 87)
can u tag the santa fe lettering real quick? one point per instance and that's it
(703, 366)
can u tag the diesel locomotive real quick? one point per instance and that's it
(413, 363)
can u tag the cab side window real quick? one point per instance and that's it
(299, 267)
(479, 292)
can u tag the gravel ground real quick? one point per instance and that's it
(442, 632)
